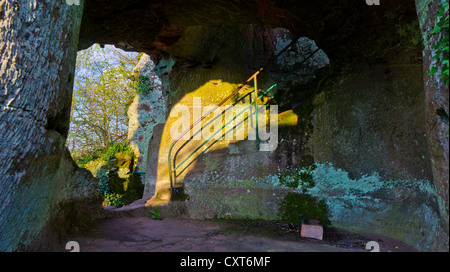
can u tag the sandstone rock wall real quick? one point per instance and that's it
(369, 125)
(38, 46)
(147, 110)
(204, 67)
(371, 122)
(436, 98)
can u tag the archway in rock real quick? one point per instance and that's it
(364, 44)
(105, 119)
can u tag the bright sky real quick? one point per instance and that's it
(94, 59)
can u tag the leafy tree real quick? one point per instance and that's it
(104, 88)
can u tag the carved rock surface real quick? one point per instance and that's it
(38, 46)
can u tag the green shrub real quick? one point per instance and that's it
(103, 187)
(113, 200)
(104, 154)
(118, 190)
(110, 198)
(296, 207)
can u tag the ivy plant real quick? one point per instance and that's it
(440, 49)
(144, 85)
(155, 213)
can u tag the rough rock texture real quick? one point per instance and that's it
(370, 120)
(402, 208)
(204, 68)
(147, 110)
(37, 176)
(380, 128)
(436, 98)
(339, 27)
(153, 160)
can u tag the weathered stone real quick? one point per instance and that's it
(153, 160)
(210, 86)
(38, 46)
(436, 100)
(147, 110)
(352, 131)
(401, 208)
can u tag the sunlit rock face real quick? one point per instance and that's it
(147, 110)
(203, 68)
(368, 118)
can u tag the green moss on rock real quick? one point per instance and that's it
(118, 183)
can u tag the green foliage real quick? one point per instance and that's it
(144, 84)
(105, 86)
(155, 213)
(441, 49)
(103, 154)
(103, 91)
(117, 191)
(103, 187)
(113, 200)
(110, 198)
(296, 207)
(112, 149)
(301, 176)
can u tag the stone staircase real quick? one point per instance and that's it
(225, 183)
(218, 176)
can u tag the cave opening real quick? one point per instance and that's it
(370, 129)
(375, 73)
(106, 84)
(336, 94)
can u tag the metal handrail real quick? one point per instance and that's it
(244, 110)
(253, 77)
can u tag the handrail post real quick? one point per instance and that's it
(170, 173)
(173, 172)
(256, 109)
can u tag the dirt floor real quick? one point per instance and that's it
(144, 234)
